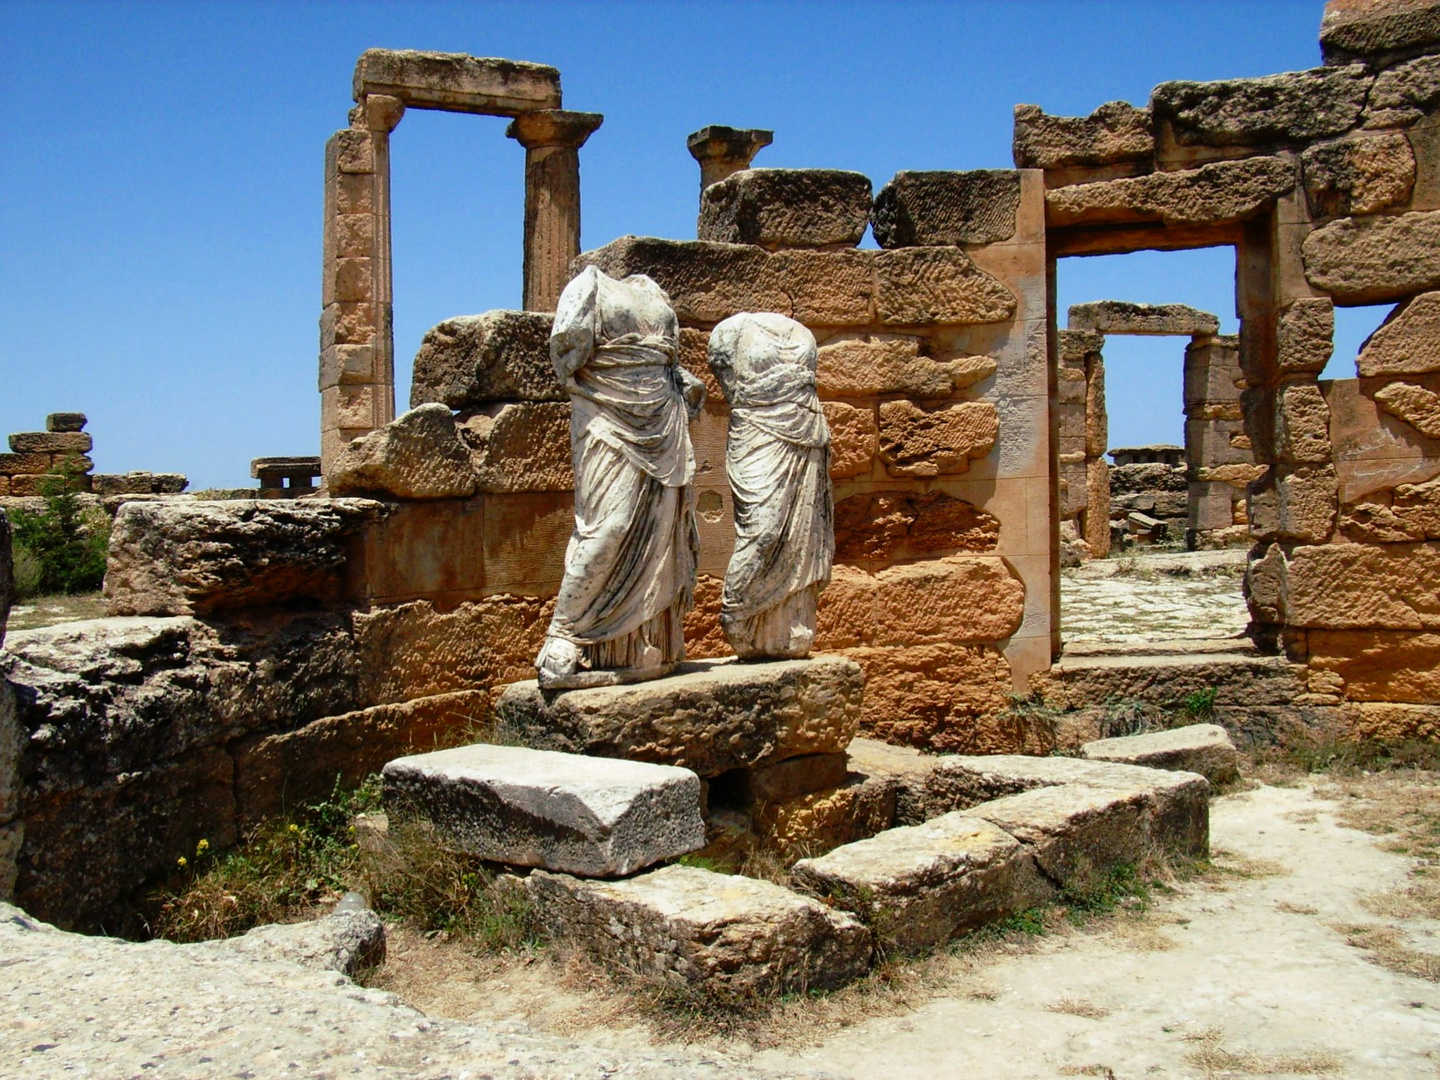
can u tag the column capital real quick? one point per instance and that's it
(553, 127)
(377, 112)
(718, 143)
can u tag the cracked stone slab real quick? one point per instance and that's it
(581, 815)
(684, 925)
(1198, 748)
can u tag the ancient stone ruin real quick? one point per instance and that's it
(63, 448)
(273, 645)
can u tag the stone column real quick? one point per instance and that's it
(357, 345)
(552, 139)
(724, 150)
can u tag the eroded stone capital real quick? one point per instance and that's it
(553, 127)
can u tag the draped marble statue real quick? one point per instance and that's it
(630, 564)
(778, 461)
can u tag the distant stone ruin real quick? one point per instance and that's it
(36, 458)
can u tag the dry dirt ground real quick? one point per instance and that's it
(49, 610)
(1154, 597)
(1311, 948)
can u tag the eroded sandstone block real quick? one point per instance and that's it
(51, 442)
(854, 438)
(1293, 107)
(457, 82)
(892, 364)
(787, 208)
(1417, 406)
(888, 524)
(477, 359)
(920, 885)
(1407, 342)
(1364, 586)
(1220, 192)
(1115, 132)
(523, 446)
(1306, 335)
(1406, 513)
(928, 285)
(1380, 665)
(711, 717)
(1198, 748)
(817, 821)
(927, 208)
(917, 442)
(1358, 175)
(171, 558)
(684, 926)
(1302, 424)
(1349, 29)
(1371, 260)
(418, 455)
(958, 599)
(565, 812)
(1403, 94)
(345, 941)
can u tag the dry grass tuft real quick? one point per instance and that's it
(1230, 865)
(1211, 1057)
(1386, 946)
(1296, 909)
(1078, 1007)
(1103, 1071)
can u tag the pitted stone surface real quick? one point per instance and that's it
(1352, 29)
(710, 717)
(476, 359)
(172, 558)
(786, 208)
(1123, 317)
(1293, 107)
(1369, 260)
(1407, 342)
(418, 455)
(1075, 833)
(1222, 191)
(685, 925)
(343, 941)
(578, 815)
(920, 885)
(116, 1008)
(929, 208)
(1199, 748)
(1115, 132)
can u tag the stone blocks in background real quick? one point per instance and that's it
(171, 558)
(687, 926)
(930, 208)
(476, 359)
(1123, 317)
(710, 717)
(787, 208)
(565, 812)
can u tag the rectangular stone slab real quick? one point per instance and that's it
(558, 811)
(711, 716)
(919, 886)
(1199, 748)
(684, 925)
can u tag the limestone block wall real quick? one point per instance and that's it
(1082, 426)
(1327, 183)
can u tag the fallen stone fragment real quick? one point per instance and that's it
(418, 455)
(345, 941)
(919, 886)
(579, 815)
(787, 208)
(933, 208)
(182, 558)
(1198, 748)
(688, 926)
(476, 359)
(711, 716)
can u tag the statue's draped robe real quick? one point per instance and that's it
(778, 461)
(630, 564)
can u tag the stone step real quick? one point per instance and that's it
(580, 815)
(686, 926)
(1198, 748)
(711, 716)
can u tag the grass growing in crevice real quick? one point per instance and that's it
(287, 869)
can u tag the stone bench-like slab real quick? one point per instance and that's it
(580, 815)
(711, 716)
(1198, 748)
(920, 885)
(683, 925)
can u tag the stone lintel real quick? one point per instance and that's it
(553, 127)
(456, 82)
(1124, 317)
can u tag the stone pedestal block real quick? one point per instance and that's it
(785, 208)
(563, 812)
(711, 717)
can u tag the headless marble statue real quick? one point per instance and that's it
(630, 564)
(778, 461)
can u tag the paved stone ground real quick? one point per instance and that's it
(1159, 597)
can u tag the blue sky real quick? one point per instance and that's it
(160, 175)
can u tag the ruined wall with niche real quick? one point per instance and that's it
(932, 376)
(1327, 181)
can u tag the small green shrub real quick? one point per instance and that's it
(1200, 704)
(62, 548)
